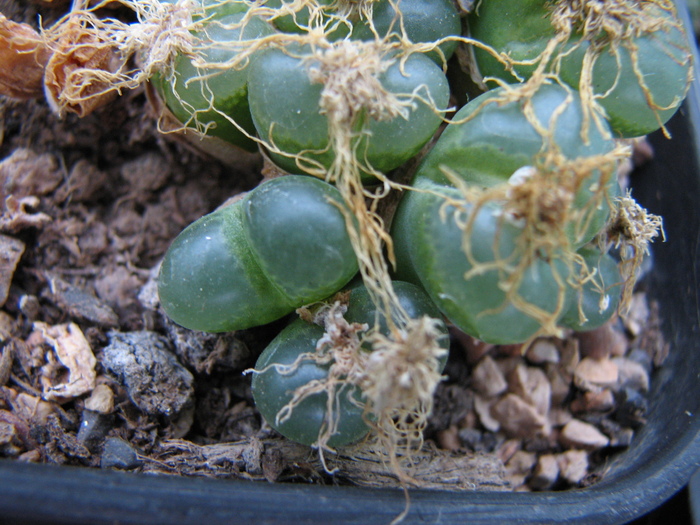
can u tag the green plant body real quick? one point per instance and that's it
(598, 299)
(493, 137)
(498, 267)
(283, 245)
(418, 21)
(431, 245)
(632, 57)
(209, 98)
(288, 101)
(280, 372)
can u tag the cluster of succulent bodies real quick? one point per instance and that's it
(511, 224)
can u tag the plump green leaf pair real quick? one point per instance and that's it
(273, 386)
(283, 245)
(487, 281)
(286, 110)
(640, 81)
(418, 21)
(213, 101)
(272, 95)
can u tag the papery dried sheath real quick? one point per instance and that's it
(81, 68)
(23, 57)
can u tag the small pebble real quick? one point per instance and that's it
(594, 401)
(559, 383)
(101, 400)
(518, 418)
(93, 429)
(519, 467)
(558, 417)
(570, 356)
(508, 448)
(482, 407)
(578, 434)
(594, 374)
(532, 385)
(545, 474)
(632, 408)
(488, 379)
(619, 436)
(119, 454)
(471, 438)
(543, 351)
(573, 465)
(642, 357)
(637, 315)
(632, 374)
(448, 439)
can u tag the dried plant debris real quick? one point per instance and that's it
(11, 251)
(23, 57)
(69, 369)
(155, 382)
(279, 460)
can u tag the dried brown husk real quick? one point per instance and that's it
(95, 59)
(23, 57)
(83, 63)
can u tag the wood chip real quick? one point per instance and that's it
(26, 173)
(154, 380)
(19, 214)
(579, 434)
(487, 378)
(80, 303)
(32, 408)
(11, 251)
(518, 418)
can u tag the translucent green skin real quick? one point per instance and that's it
(423, 21)
(588, 297)
(300, 21)
(227, 91)
(522, 29)
(430, 253)
(488, 148)
(272, 390)
(485, 151)
(282, 246)
(283, 102)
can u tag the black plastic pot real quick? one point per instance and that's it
(663, 456)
